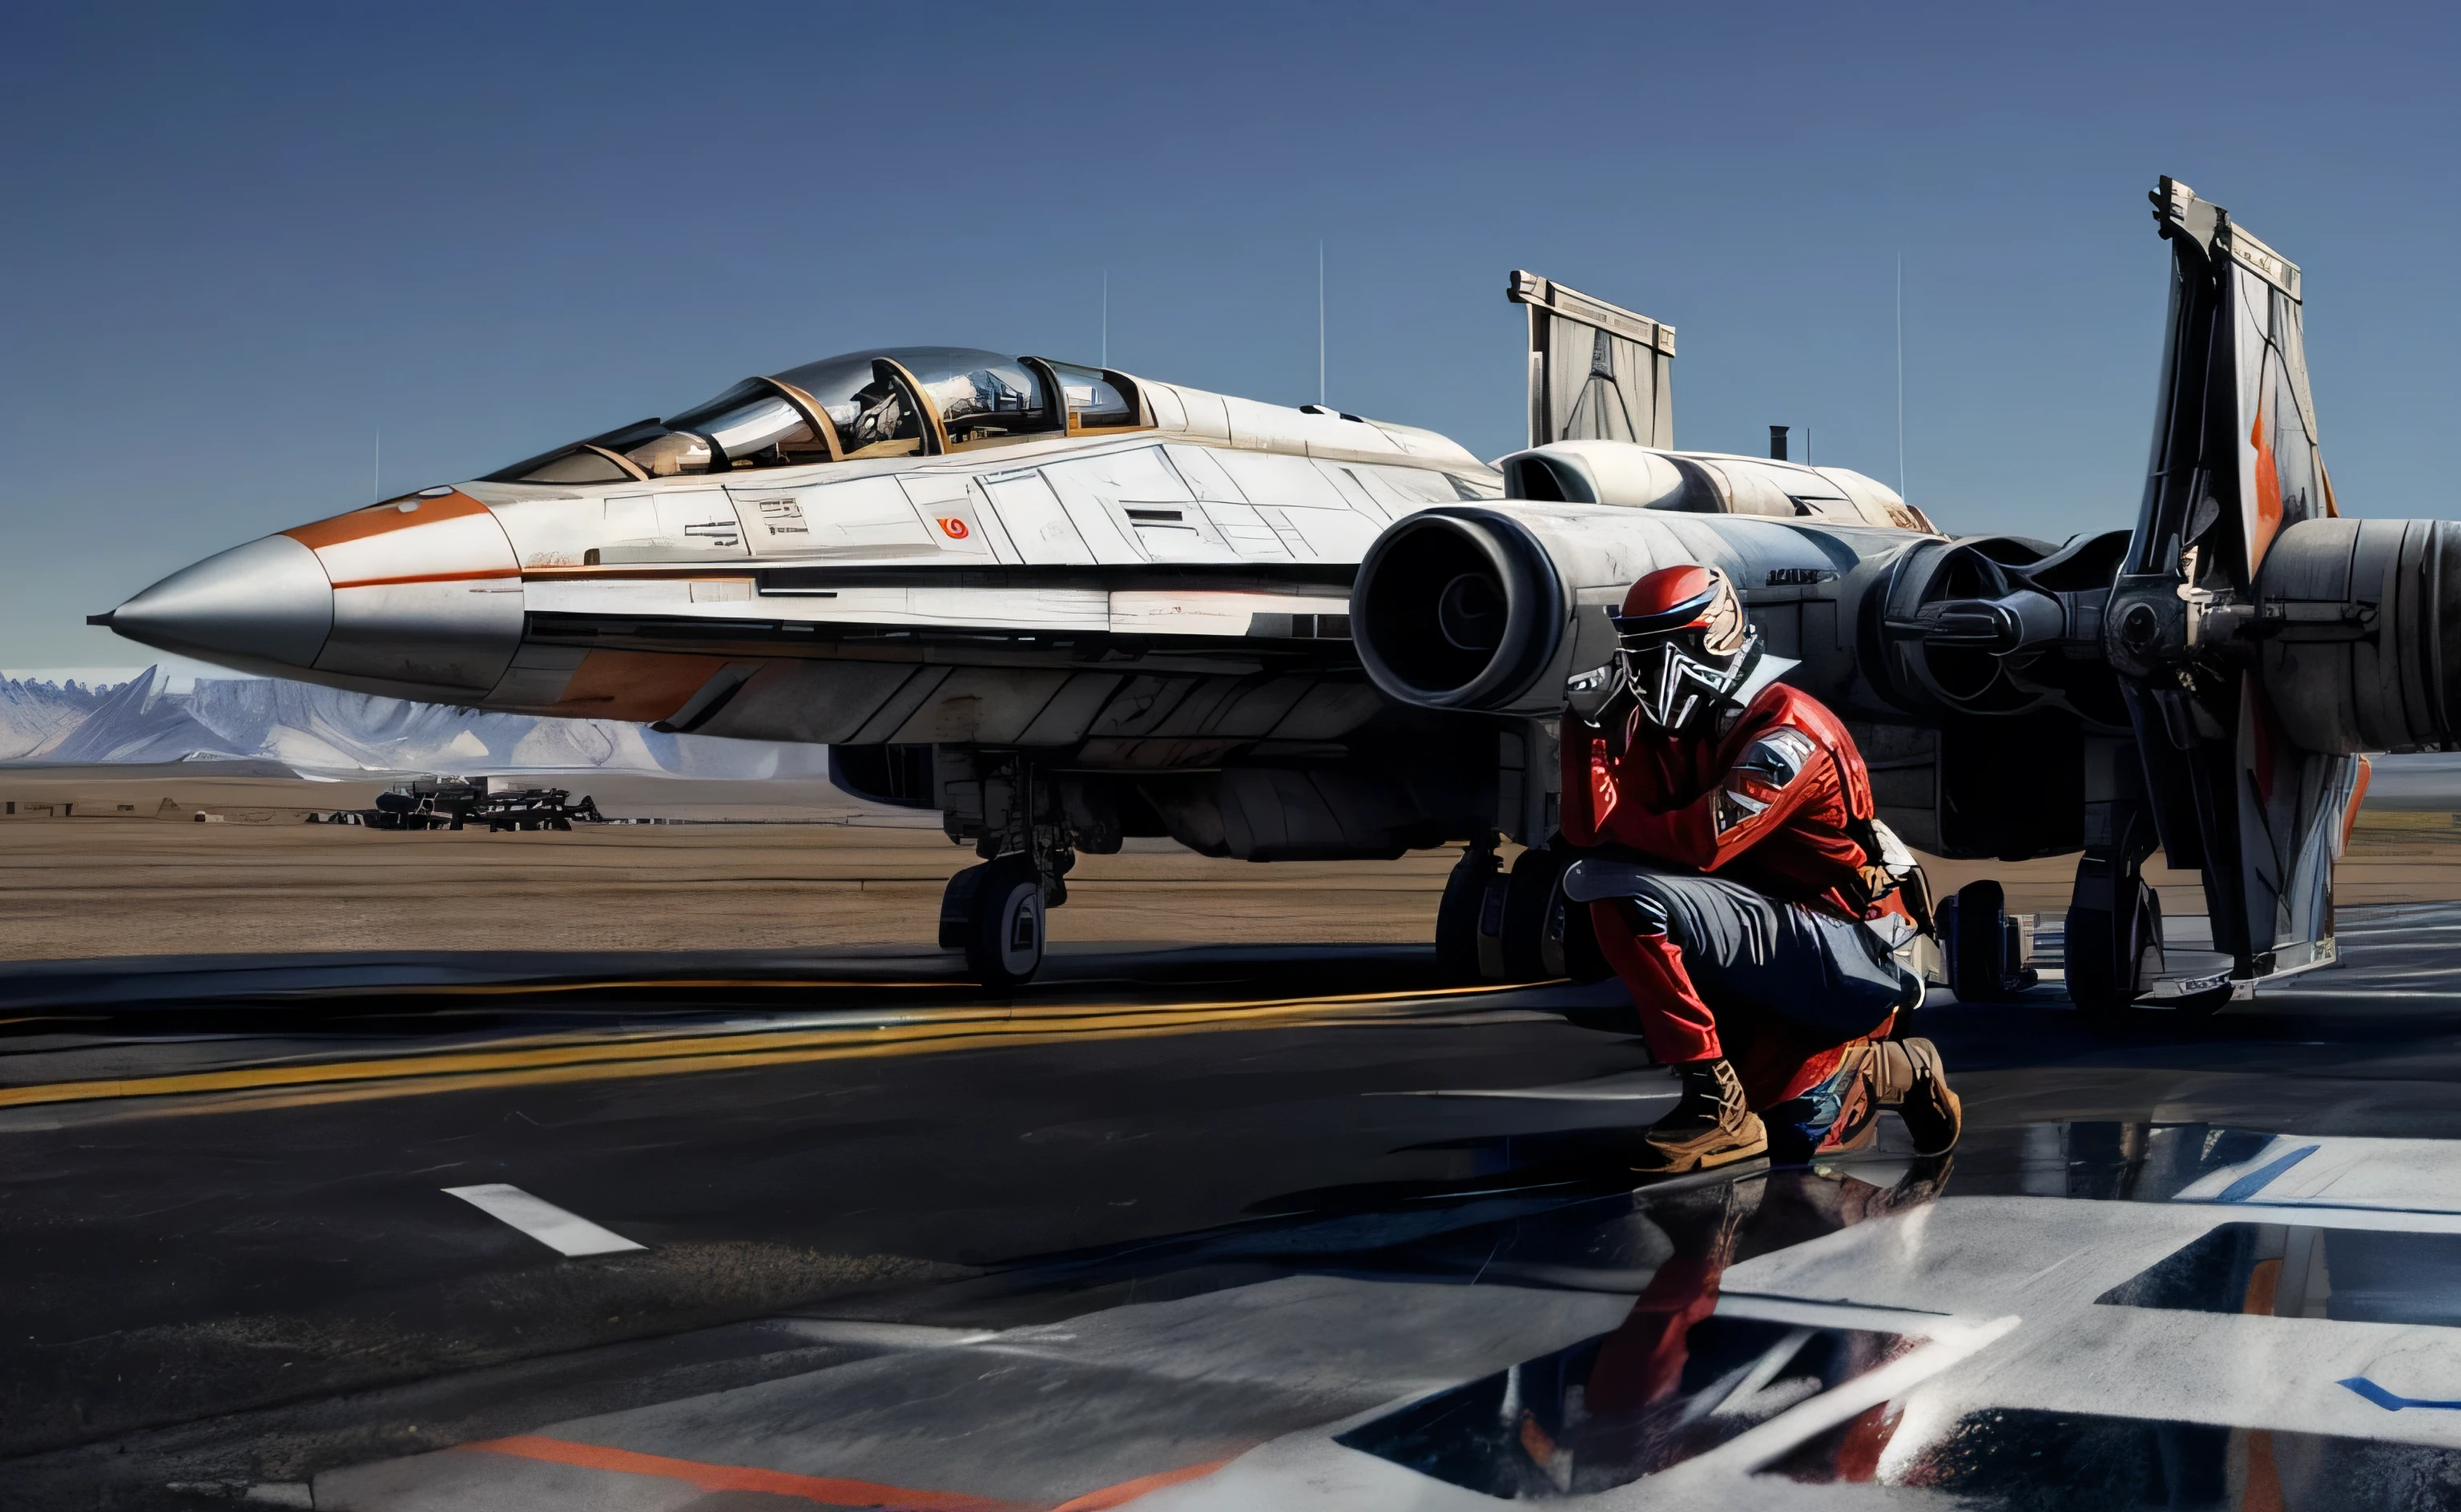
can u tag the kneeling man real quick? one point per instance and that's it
(1741, 888)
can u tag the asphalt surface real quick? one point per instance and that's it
(1246, 1227)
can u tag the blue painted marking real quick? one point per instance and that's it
(2254, 1181)
(2390, 1401)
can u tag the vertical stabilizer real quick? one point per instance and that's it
(1598, 371)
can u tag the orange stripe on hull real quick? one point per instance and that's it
(383, 518)
(643, 687)
(430, 577)
(1129, 1490)
(826, 1490)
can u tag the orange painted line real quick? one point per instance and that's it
(1129, 1490)
(431, 576)
(826, 1490)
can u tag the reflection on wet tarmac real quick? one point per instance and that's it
(1676, 1378)
(1710, 1351)
(2018, 1459)
(1612, 1409)
(2296, 1271)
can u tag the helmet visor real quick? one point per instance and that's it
(1674, 677)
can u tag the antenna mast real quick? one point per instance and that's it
(1901, 375)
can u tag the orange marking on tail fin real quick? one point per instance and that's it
(2268, 489)
(2358, 796)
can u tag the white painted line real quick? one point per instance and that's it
(565, 1233)
(1802, 1313)
(1757, 1447)
(883, 1335)
(1632, 1086)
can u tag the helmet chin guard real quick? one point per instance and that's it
(1683, 646)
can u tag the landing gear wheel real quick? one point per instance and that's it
(1457, 915)
(1982, 947)
(1529, 894)
(2112, 953)
(994, 912)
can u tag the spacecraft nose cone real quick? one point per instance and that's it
(267, 601)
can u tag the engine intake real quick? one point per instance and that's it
(1457, 609)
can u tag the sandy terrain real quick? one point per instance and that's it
(128, 871)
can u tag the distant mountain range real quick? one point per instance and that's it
(323, 731)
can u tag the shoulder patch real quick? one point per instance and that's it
(1767, 768)
(1779, 757)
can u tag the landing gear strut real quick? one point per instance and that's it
(2114, 928)
(997, 912)
(1457, 915)
(1984, 960)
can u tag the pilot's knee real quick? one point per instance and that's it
(1633, 916)
(1657, 914)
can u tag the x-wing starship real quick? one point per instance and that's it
(1065, 606)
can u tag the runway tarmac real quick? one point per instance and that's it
(1258, 1227)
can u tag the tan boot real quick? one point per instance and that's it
(1708, 1127)
(1907, 1074)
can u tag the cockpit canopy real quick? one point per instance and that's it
(898, 402)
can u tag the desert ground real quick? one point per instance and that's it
(100, 862)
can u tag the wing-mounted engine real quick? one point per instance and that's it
(1493, 609)
(1998, 625)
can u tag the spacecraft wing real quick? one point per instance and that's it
(2235, 462)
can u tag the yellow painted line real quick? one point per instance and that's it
(620, 1070)
(506, 989)
(663, 1056)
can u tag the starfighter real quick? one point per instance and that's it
(1065, 606)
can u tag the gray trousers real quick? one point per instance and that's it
(1755, 955)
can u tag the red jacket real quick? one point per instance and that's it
(1767, 803)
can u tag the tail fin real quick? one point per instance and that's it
(1597, 371)
(2234, 455)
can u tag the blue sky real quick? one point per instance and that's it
(242, 240)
